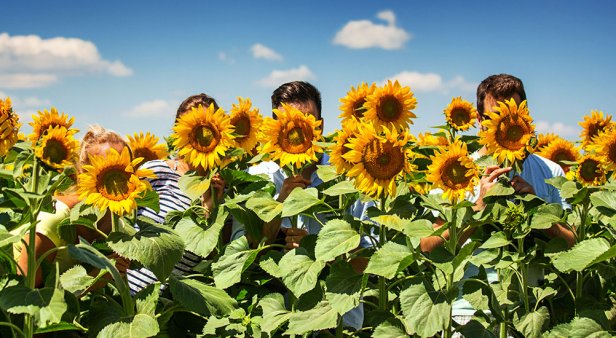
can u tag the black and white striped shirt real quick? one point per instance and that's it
(171, 198)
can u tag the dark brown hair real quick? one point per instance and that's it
(500, 87)
(194, 101)
(296, 92)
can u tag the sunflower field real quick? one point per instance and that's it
(417, 189)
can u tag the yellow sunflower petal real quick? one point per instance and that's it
(45, 119)
(453, 171)
(147, 147)
(247, 122)
(9, 126)
(390, 105)
(57, 148)
(460, 114)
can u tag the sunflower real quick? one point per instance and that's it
(41, 123)
(290, 138)
(460, 114)
(147, 147)
(560, 150)
(380, 158)
(590, 171)
(390, 104)
(428, 139)
(247, 122)
(340, 147)
(202, 136)
(545, 139)
(57, 147)
(605, 147)
(507, 131)
(112, 182)
(352, 106)
(453, 171)
(593, 125)
(9, 126)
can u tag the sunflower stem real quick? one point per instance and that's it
(114, 225)
(31, 249)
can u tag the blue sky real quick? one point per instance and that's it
(128, 64)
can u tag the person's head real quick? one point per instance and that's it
(97, 141)
(195, 101)
(299, 94)
(496, 88)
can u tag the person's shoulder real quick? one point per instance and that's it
(266, 167)
(156, 166)
(537, 160)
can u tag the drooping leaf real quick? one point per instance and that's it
(533, 323)
(300, 200)
(299, 272)
(76, 279)
(425, 312)
(142, 326)
(582, 255)
(193, 185)
(389, 259)
(419, 228)
(499, 189)
(157, 248)
(344, 287)
(237, 258)
(321, 317)
(578, 328)
(274, 312)
(149, 200)
(389, 329)
(201, 298)
(269, 263)
(266, 207)
(496, 240)
(341, 188)
(201, 239)
(337, 237)
(147, 298)
(46, 305)
(546, 215)
(326, 172)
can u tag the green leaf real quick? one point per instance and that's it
(582, 255)
(199, 239)
(336, 238)
(419, 228)
(499, 189)
(274, 312)
(578, 328)
(604, 200)
(326, 172)
(388, 329)
(299, 272)
(486, 161)
(341, 188)
(344, 286)
(389, 259)
(46, 305)
(76, 279)
(201, 298)
(149, 200)
(157, 248)
(193, 185)
(147, 298)
(61, 326)
(496, 240)
(300, 200)
(266, 207)
(572, 193)
(532, 324)
(391, 221)
(269, 263)
(7, 238)
(142, 326)
(546, 215)
(541, 293)
(213, 324)
(237, 258)
(425, 312)
(321, 317)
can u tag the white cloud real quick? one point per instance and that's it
(224, 57)
(558, 128)
(31, 61)
(367, 34)
(260, 51)
(431, 82)
(154, 108)
(278, 77)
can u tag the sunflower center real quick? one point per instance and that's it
(390, 109)
(358, 108)
(205, 138)
(383, 161)
(242, 127)
(589, 170)
(296, 138)
(511, 134)
(147, 154)
(55, 151)
(454, 174)
(562, 155)
(611, 152)
(460, 117)
(113, 183)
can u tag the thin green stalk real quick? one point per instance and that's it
(524, 274)
(14, 328)
(339, 327)
(452, 246)
(114, 225)
(383, 296)
(31, 249)
(579, 278)
(503, 330)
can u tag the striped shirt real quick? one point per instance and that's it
(171, 198)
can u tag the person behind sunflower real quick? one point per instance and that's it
(97, 141)
(171, 198)
(306, 98)
(530, 180)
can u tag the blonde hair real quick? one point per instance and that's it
(94, 136)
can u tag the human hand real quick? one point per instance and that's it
(218, 184)
(293, 237)
(291, 183)
(488, 180)
(521, 186)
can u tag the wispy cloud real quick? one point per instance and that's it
(278, 77)
(25, 107)
(563, 130)
(153, 108)
(260, 51)
(432, 82)
(29, 61)
(224, 57)
(361, 34)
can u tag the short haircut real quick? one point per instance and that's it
(296, 92)
(194, 101)
(500, 87)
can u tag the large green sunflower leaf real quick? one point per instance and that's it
(344, 287)
(46, 305)
(337, 237)
(201, 298)
(201, 239)
(425, 312)
(237, 258)
(274, 312)
(300, 200)
(321, 317)
(389, 259)
(299, 272)
(142, 326)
